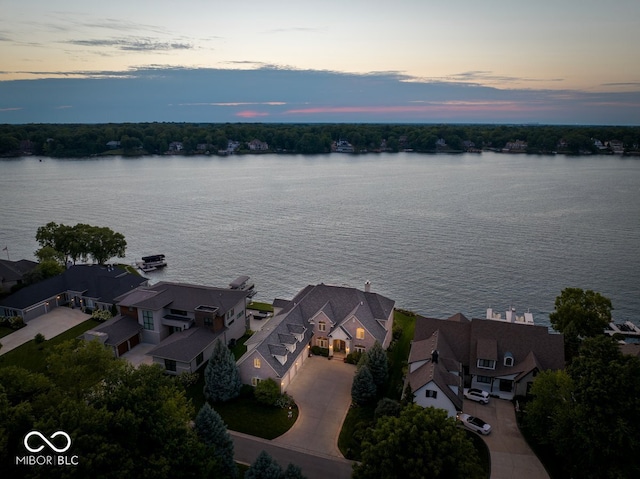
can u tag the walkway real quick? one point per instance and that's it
(322, 391)
(51, 324)
(511, 456)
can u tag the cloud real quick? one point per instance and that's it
(133, 44)
(277, 94)
(298, 30)
(251, 114)
(484, 77)
(11, 109)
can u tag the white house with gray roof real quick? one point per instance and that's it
(185, 321)
(338, 318)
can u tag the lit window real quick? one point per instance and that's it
(323, 342)
(322, 326)
(256, 363)
(360, 333)
(255, 381)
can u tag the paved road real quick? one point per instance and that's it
(50, 325)
(314, 466)
(511, 456)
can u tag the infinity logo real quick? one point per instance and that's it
(49, 443)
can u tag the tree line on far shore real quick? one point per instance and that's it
(84, 140)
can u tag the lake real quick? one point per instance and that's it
(439, 234)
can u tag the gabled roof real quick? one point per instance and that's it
(438, 372)
(185, 297)
(487, 339)
(15, 270)
(337, 302)
(101, 283)
(184, 346)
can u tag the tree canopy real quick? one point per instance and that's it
(589, 416)
(79, 242)
(123, 421)
(84, 140)
(420, 443)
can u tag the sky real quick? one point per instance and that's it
(560, 61)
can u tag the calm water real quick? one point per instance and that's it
(439, 234)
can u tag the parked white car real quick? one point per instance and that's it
(477, 395)
(474, 423)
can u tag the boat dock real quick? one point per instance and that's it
(627, 329)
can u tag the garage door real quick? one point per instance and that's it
(123, 348)
(134, 341)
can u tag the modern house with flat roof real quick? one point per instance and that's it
(183, 320)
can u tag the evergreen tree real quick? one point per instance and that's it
(212, 431)
(363, 389)
(293, 472)
(376, 361)
(264, 467)
(221, 376)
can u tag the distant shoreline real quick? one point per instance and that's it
(183, 139)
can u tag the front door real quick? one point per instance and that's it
(338, 346)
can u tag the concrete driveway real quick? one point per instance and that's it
(50, 325)
(322, 391)
(511, 456)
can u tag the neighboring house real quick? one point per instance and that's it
(257, 145)
(185, 321)
(176, 146)
(113, 144)
(337, 318)
(499, 357)
(12, 273)
(435, 376)
(84, 286)
(517, 146)
(343, 146)
(120, 333)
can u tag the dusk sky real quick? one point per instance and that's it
(562, 61)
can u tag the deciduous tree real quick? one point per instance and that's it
(420, 443)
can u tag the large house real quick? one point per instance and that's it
(184, 321)
(499, 356)
(82, 286)
(336, 318)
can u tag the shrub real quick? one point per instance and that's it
(188, 379)
(387, 407)
(39, 338)
(353, 358)
(318, 351)
(267, 392)
(101, 315)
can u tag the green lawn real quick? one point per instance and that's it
(264, 307)
(244, 414)
(33, 356)
(5, 331)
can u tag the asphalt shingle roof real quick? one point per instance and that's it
(101, 283)
(184, 346)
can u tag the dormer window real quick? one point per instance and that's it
(508, 360)
(486, 364)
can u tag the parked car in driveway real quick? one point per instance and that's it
(474, 423)
(477, 395)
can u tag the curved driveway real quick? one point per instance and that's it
(511, 456)
(322, 391)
